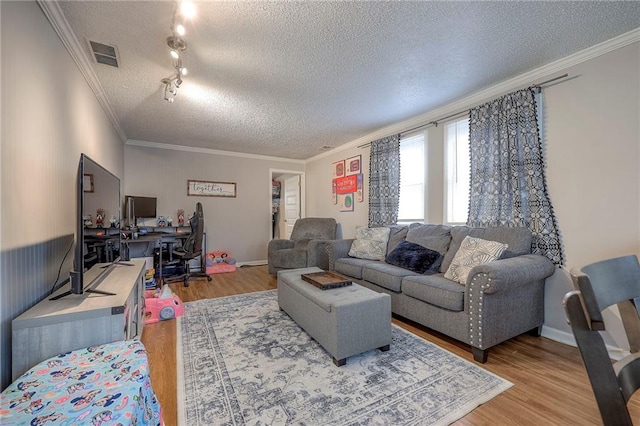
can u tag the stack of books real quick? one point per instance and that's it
(149, 279)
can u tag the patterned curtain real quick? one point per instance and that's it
(508, 185)
(384, 181)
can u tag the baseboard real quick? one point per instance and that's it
(615, 353)
(252, 263)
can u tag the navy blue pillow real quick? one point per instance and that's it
(415, 257)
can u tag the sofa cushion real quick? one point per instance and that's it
(351, 266)
(518, 239)
(370, 243)
(434, 237)
(435, 290)
(473, 252)
(397, 234)
(413, 257)
(385, 275)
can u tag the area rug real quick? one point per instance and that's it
(245, 362)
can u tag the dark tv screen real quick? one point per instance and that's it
(144, 207)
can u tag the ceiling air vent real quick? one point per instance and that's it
(104, 54)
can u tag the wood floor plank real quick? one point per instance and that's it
(551, 386)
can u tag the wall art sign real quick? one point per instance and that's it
(353, 165)
(205, 188)
(360, 188)
(347, 184)
(346, 202)
(338, 169)
(334, 191)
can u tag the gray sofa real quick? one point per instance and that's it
(500, 299)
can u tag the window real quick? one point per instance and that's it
(456, 135)
(412, 172)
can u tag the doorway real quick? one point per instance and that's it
(287, 201)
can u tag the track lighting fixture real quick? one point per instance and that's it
(177, 46)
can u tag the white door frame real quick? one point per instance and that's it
(302, 192)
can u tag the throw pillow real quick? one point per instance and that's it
(413, 257)
(473, 252)
(370, 243)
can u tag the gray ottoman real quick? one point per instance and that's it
(346, 321)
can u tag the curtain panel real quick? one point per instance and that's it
(507, 178)
(384, 181)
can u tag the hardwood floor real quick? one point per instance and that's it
(550, 384)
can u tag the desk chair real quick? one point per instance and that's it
(613, 384)
(191, 248)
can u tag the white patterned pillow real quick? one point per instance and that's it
(473, 252)
(370, 243)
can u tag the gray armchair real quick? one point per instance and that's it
(305, 248)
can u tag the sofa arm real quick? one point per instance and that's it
(511, 273)
(279, 244)
(336, 249)
(505, 298)
(317, 254)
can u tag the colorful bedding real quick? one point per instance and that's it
(100, 385)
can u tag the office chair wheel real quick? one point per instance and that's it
(209, 278)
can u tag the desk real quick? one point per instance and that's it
(157, 238)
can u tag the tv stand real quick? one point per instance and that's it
(81, 320)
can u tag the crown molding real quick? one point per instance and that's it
(523, 80)
(183, 148)
(52, 11)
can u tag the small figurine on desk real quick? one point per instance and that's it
(180, 217)
(99, 218)
(88, 222)
(169, 221)
(162, 222)
(114, 222)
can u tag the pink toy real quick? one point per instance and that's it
(157, 309)
(220, 261)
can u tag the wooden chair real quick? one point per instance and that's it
(612, 383)
(599, 286)
(612, 282)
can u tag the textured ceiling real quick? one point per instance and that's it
(286, 79)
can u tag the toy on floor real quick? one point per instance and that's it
(161, 304)
(220, 261)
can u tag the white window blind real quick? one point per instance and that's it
(457, 171)
(412, 178)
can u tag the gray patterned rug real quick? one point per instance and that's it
(245, 362)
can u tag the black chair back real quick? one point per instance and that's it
(193, 244)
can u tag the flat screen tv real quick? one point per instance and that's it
(96, 189)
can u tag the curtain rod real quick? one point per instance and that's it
(435, 122)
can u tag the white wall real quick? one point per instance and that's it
(240, 225)
(591, 124)
(49, 116)
(593, 155)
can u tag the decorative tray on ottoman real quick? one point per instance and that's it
(325, 280)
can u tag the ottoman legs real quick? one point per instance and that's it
(343, 361)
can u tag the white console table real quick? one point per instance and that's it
(80, 320)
